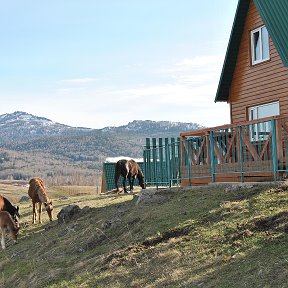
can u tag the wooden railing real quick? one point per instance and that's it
(248, 151)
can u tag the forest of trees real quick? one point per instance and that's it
(69, 155)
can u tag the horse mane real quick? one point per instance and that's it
(6, 205)
(9, 205)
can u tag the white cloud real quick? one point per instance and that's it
(196, 71)
(79, 80)
(69, 91)
(185, 92)
(199, 61)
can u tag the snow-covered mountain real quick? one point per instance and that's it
(155, 126)
(23, 126)
(26, 140)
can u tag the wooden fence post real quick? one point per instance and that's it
(212, 156)
(274, 149)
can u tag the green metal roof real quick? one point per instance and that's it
(274, 15)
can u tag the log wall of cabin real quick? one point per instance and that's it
(258, 84)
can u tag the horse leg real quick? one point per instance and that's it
(131, 181)
(124, 184)
(34, 212)
(117, 176)
(3, 239)
(40, 211)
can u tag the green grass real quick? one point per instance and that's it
(203, 237)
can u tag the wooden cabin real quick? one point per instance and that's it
(254, 81)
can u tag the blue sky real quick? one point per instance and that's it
(98, 63)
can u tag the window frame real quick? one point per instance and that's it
(260, 131)
(256, 108)
(253, 32)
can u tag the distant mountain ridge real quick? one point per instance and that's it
(149, 125)
(21, 126)
(32, 145)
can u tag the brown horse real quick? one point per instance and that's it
(128, 169)
(5, 205)
(38, 194)
(7, 225)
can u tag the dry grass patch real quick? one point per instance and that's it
(205, 237)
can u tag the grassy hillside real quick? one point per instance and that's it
(201, 237)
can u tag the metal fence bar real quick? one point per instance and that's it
(154, 161)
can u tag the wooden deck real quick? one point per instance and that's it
(251, 151)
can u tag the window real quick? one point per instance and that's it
(265, 110)
(260, 45)
(260, 131)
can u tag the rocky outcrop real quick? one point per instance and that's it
(147, 196)
(67, 213)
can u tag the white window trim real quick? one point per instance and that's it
(260, 131)
(259, 29)
(255, 108)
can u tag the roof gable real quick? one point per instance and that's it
(274, 15)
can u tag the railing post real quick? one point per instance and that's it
(188, 141)
(274, 149)
(161, 159)
(147, 161)
(167, 152)
(241, 151)
(212, 156)
(154, 157)
(173, 155)
(178, 161)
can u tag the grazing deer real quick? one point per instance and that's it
(5, 205)
(128, 169)
(7, 225)
(38, 194)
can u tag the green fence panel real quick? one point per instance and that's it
(243, 150)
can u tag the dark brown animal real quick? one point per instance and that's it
(128, 169)
(38, 194)
(5, 205)
(7, 225)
